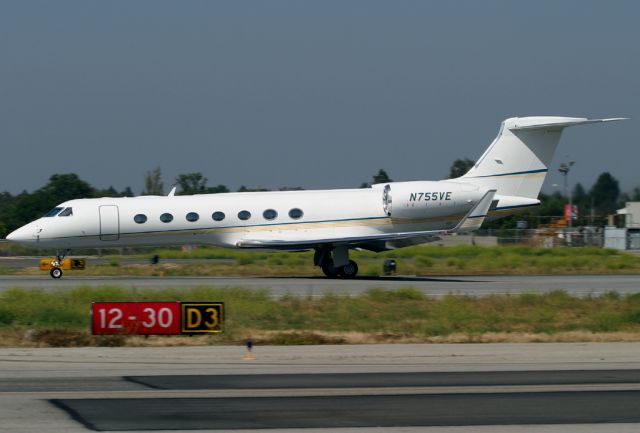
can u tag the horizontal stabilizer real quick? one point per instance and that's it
(517, 161)
(558, 122)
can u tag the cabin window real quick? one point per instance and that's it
(67, 212)
(192, 217)
(140, 218)
(270, 214)
(53, 212)
(166, 217)
(218, 216)
(296, 213)
(244, 215)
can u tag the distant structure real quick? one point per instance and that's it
(623, 231)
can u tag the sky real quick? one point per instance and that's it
(317, 94)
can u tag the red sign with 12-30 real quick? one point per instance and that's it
(155, 318)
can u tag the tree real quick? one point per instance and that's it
(192, 183)
(381, 177)
(127, 192)
(109, 192)
(6, 202)
(460, 167)
(580, 198)
(605, 193)
(60, 188)
(217, 189)
(63, 187)
(245, 189)
(153, 183)
(551, 205)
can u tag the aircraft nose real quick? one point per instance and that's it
(23, 234)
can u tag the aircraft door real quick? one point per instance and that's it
(109, 223)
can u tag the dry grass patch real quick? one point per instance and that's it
(61, 318)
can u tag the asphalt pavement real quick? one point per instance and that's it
(578, 285)
(592, 387)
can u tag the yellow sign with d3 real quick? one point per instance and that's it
(202, 317)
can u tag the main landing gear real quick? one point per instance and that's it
(335, 263)
(56, 269)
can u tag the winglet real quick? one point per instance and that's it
(172, 192)
(474, 219)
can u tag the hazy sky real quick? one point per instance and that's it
(315, 94)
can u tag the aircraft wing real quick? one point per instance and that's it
(471, 221)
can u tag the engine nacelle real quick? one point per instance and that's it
(425, 200)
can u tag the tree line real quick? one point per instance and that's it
(603, 198)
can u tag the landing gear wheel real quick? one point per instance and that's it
(329, 270)
(350, 270)
(56, 273)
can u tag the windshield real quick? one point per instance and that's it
(53, 212)
(67, 212)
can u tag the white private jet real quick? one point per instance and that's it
(506, 179)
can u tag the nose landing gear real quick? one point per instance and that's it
(56, 270)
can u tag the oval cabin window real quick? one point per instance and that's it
(270, 214)
(217, 216)
(166, 217)
(192, 217)
(295, 213)
(244, 215)
(140, 218)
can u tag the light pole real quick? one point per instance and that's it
(565, 167)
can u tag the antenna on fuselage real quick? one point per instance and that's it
(172, 192)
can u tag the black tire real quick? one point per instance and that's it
(350, 270)
(329, 270)
(55, 273)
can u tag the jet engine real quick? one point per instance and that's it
(424, 200)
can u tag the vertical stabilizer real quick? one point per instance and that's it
(517, 161)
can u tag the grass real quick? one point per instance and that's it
(34, 317)
(418, 260)
(426, 260)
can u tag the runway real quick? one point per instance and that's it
(410, 388)
(578, 285)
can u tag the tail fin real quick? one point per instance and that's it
(517, 161)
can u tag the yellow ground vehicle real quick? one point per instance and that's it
(55, 269)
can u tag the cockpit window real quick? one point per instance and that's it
(53, 212)
(67, 212)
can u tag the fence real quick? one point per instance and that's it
(549, 238)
